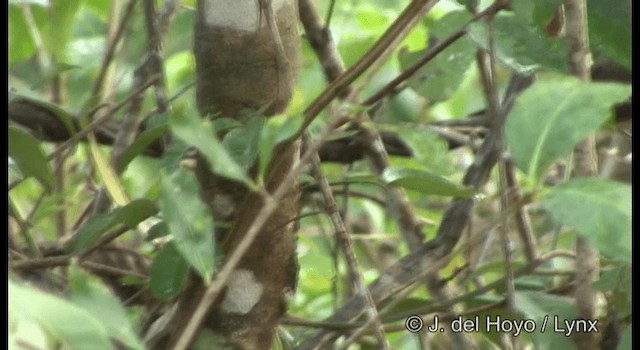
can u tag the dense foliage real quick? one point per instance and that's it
(64, 62)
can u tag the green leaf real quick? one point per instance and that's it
(521, 45)
(61, 17)
(140, 144)
(188, 220)
(158, 230)
(441, 77)
(25, 150)
(110, 179)
(598, 209)
(617, 283)
(168, 273)
(92, 295)
(610, 30)
(539, 307)
(538, 12)
(63, 320)
(200, 134)
(276, 130)
(129, 215)
(242, 143)
(425, 182)
(551, 117)
(24, 47)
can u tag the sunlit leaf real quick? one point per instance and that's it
(551, 117)
(425, 182)
(111, 181)
(598, 209)
(91, 294)
(62, 16)
(63, 320)
(188, 220)
(23, 48)
(25, 151)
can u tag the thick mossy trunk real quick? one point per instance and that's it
(241, 65)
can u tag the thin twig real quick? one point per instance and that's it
(98, 122)
(112, 43)
(346, 245)
(487, 68)
(337, 87)
(430, 256)
(431, 54)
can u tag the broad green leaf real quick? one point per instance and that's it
(158, 230)
(521, 45)
(610, 30)
(617, 282)
(188, 220)
(64, 321)
(111, 181)
(425, 182)
(598, 209)
(179, 69)
(25, 151)
(551, 117)
(277, 129)
(428, 149)
(129, 215)
(546, 309)
(20, 44)
(140, 144)
(199, 133)
(58, 33)
(168, 273)
(441, 77)
(242, 143)
(92, 295)
(538, 12)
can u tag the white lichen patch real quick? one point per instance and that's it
(243, 292)
(237, 14)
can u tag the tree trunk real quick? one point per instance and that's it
(247, 59)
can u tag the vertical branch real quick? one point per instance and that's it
(487, 63)
(585, 164)
(114, 38)
(346, 245)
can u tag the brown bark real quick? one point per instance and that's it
(247, 69)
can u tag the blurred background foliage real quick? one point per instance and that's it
(56, 49)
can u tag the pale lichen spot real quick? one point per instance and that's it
(242, 15)
(243, 292)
